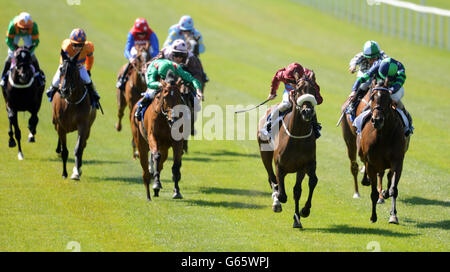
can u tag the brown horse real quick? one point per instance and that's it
(382, 145)
(295, 151)
(134, 87)
(22, 92)
(154, 133)
(72, 111)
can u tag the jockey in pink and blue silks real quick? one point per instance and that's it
(139, 34)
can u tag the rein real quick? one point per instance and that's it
(293, 136)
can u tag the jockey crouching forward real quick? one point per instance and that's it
(22, 27)
(289, 76)
(139, 34)
(72, 46)
(158, 70)
(394, 72)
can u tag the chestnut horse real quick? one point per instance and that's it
(72, 111)
(22, 92)
(154, 134)
(382, 145)
(135, 85)
(295, 151)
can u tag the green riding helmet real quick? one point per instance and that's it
(371, 50)
(388, 68)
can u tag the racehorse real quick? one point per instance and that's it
(154, 134)
(135, 85)
(295, 151)
(72, 111)
(22, 92)
(382, 146)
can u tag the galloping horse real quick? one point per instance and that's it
(72, 111)
(22, 93)
(296, 150)
(382, 146)
(153, 134)
(134, 87)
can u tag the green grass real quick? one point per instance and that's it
(227, 203)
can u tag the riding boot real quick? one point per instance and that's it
(93, 95)
(316, 126)
(122, 80)
(411, 128)
(146, 100)
(51, 92)
(5, 71)
(41, 76)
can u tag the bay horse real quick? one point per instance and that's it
(382, 145)
(72, 111)
(22, 92)
(135, 85)
(295, 151)
(154, 134)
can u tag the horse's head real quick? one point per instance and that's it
(69, 74)
(380, 105)
(23, 71)
(191, 42)
(304, 97)
(170, 95)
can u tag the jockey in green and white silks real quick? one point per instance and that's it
(158, 70)
(365, 59)
(394, 71)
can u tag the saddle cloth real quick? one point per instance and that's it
(360, 120)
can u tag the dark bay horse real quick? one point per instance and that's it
(295, 151)
(382, 146)
(134, 86)
(72, 111)
(154, 134)
(22, 92)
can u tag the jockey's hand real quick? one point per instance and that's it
(200, 95)
(352, 69)
(131, 60)
(352, 96)
(271, 96)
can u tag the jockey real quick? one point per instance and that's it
(185, 26)
(77, 43)
(394, 72)
(179, 53)
(140, 33)
(22, 27)
(365, 59)
(289, 76)
(158, 70)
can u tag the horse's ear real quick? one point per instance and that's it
(63, 55)
(312, 76)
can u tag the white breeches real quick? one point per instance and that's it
(83, 74)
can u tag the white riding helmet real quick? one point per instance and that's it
(371, 49)
(179, 46)
(186, 23)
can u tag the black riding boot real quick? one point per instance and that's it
(36, 66)
(5, 70)
(316, 127)
(123, 78)
(51, 92)
(93, 95)
(146, 100)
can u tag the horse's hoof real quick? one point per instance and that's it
(12, 143)
(20, 156)
(277, 208)
(373, 219)
(385, 194)
(305, 212)
(393, 220)
(380, 201)
(356, 195)
(75, 177)
(156, 192)
(297, 223)
(282, 198)
(157, 185)
(31, 138)
(365, 181)
(177, 195)
(118, 127)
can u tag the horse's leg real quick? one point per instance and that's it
(385, 193)
(58, 147)
(176, 174)
(267, 157)
(17, 133)
(11, 142)
(83, 134)
(374, 193)
(156, 157)
(312, 185)
(380, 184)
(143, 159)
(32, 124)
(64, 152)
(393, 191)
(280, 196)
(350, 141)
(121, 104)
(297, 195)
